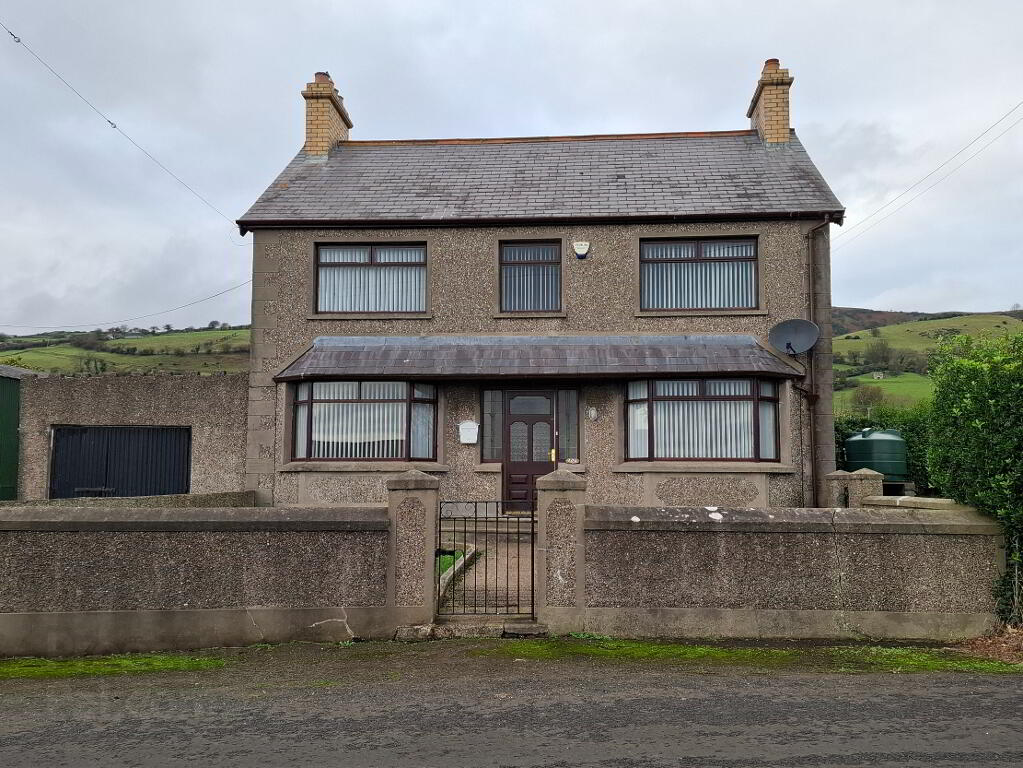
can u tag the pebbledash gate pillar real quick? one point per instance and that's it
(559, 575)
(412, 501)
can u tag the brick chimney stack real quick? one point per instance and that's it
(326, 119)
(769, 110)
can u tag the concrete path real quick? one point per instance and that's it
(443, 704)
(500, 579)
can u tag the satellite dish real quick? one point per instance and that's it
(794, 336)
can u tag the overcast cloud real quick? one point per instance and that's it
(92, 232)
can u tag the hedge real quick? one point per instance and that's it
(912, 423)
(976, 445)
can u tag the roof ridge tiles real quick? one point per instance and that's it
(551, 139)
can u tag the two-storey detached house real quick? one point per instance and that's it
(488, 310)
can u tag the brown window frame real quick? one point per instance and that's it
(319, 264)
(409, 399)
(755, 396)
(699, 257)
(501, 264)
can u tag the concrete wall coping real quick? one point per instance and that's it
(561, 480)
(789, 520)
(180, 500)
(32, 518)
(413, 480)
(916, 502)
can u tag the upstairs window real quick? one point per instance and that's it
(698, 274)
(530, 277)
(686, 419)
(365, 421)
(371, 278)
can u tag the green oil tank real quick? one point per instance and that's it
(882, 450)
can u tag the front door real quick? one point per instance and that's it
(529, 444)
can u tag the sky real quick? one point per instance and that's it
(93, 233)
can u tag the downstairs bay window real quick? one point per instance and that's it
(708, 419)
(365, 421)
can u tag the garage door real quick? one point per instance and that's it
(120, 461)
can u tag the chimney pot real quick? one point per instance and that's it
(322, 77)
(771, 64)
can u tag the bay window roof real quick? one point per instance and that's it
(462, 357)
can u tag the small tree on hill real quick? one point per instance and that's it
(867, 396)
(879, 352)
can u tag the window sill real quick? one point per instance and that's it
(362, 466)
(495, 466)
(698, 312)
(370, 316)
(526, 315)
(748, 467)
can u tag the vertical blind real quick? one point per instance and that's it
(702, 419)
(372, 279)
(698, 275)
(530, 278)
(694, 429)
(378, 420)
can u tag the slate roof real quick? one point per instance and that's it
(730, 174)
(442, 357)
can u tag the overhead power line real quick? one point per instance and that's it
(928, 188)
(113, 323)
(19, 41)
(114, 125)
(920, 181)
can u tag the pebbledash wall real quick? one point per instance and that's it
(76, 580)
(876, 571)
(599, 296)
(213, 406)
(83, 580)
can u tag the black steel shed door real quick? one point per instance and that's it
(120, 461)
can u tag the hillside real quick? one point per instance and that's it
(923, 335)
(173, 351)
(851, 319)
(904, 389)
(905, 361)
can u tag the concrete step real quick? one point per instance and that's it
(525, 629)
(486, 626)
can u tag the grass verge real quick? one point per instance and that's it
(120, 664)
(841, 659)
(444, 562)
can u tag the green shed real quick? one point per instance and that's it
(10, 410)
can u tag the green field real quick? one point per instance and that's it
(64, 358)
(922, 335)
(904, 389)
(187, 341)
(201, 351)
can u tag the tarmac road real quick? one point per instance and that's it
(437, 704)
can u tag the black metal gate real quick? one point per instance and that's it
(484, 562)
(120, 461)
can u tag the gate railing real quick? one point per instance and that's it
(484, 558)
